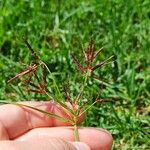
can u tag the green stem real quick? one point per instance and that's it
(85, 80)
(54, 82)
(76, 133)
(82, 89)
(87, 108)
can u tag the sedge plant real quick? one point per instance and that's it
(35, 78)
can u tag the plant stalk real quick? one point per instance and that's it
(54, 82)
(76, 133)
(82, 89)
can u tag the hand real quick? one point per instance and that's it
(26, 129)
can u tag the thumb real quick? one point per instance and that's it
(46, 144)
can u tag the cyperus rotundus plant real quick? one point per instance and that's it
(36, 80)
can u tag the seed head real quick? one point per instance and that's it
(89, 57)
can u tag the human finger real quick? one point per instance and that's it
(42, 143)
(95, 138)
(17, 120)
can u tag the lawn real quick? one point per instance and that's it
(56, 29)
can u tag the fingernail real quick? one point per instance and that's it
(81, 146)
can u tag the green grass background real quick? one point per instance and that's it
(57, 28)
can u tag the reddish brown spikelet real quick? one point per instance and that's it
(30, 69)
(102, 63)
(76, 61)
(67, 92)
(89, 55)
(35, 56)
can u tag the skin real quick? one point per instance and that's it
(25, 129)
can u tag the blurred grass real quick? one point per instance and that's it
(57, 28)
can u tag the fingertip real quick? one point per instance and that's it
(108, 138)
(96, 138)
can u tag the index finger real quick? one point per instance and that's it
(17, 120)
